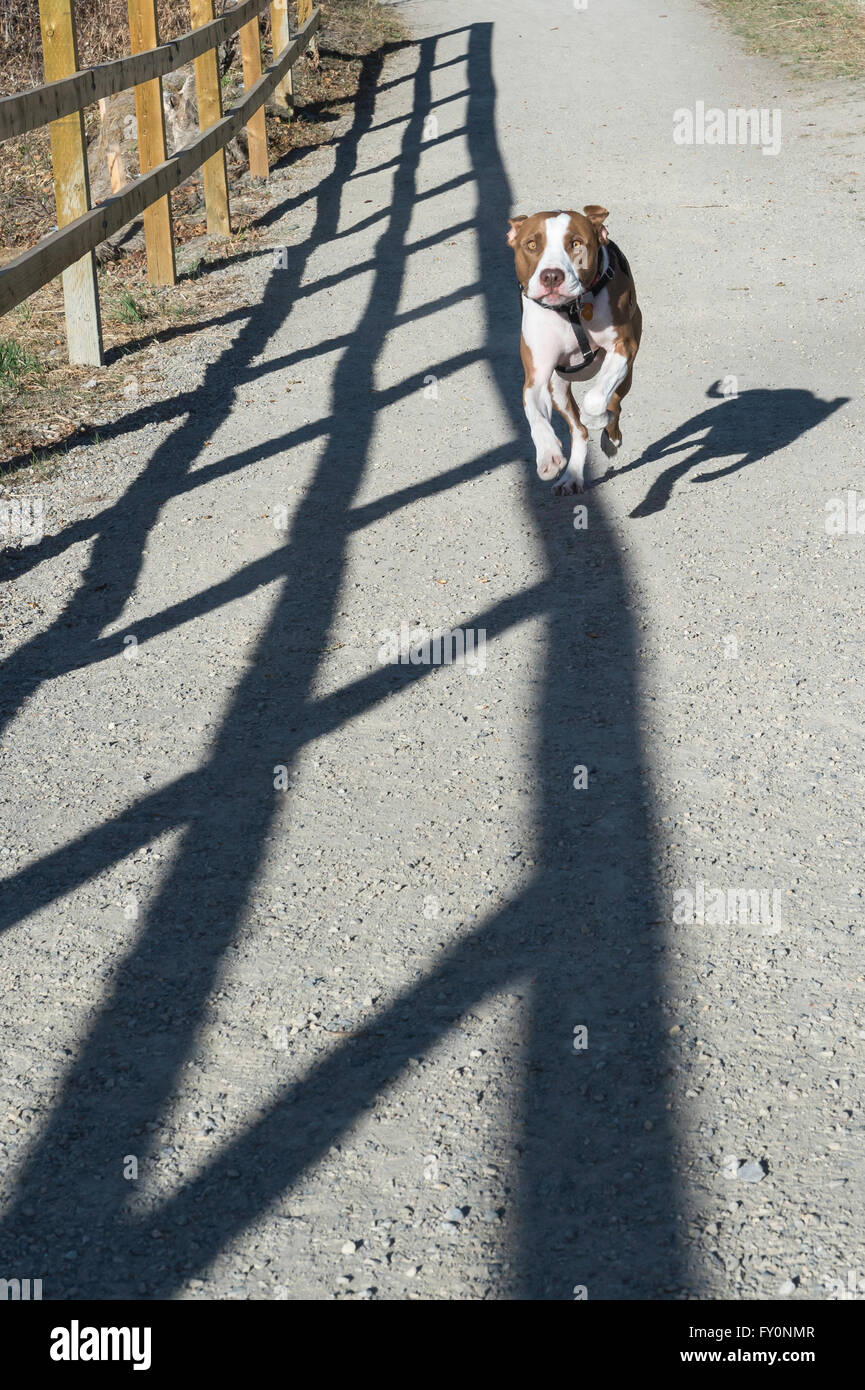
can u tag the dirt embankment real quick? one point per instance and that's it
(44, 402)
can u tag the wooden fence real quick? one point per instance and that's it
(60, 103)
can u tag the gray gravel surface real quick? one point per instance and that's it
(320, 978)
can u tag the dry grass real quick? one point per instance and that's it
(351, 28)
(50, 403)
(102, 30)
(102, 27)
(825, 37)
(45, 404)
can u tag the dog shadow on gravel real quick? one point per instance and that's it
(751, 425)
(597, 1192)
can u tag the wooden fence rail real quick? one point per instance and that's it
(81, 228)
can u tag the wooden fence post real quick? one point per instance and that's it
(71, 185)
(158, 236)
(256, 132)
(209, 112)
(280, 38)
(304, 10)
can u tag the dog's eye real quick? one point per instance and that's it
(531, 244)
(575, 243)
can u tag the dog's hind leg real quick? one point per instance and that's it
(611, 437)
(563, 400)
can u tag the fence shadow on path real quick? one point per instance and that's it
(596, 1202)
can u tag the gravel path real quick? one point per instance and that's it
(320, 977)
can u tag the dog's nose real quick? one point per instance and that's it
(551, 279)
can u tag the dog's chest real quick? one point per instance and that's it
(552, 339)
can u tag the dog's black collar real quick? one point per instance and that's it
(573, 311)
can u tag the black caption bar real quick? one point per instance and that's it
(149, 1338)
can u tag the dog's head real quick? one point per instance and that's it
(556, 253)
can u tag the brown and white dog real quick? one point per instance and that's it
(581, 322)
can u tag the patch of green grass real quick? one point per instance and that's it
(128, 309)
(16, 361)
(45, 464)
(40, 465)
(822, 36)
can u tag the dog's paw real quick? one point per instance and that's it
(610, 446)
(550, 466)
(568, 487)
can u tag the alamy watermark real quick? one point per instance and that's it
(77, 1343)
(415, 646)
(719, 907)
(736, 126)
(20, 1290)
(852, 1288)
(845, 516)
(21, 519)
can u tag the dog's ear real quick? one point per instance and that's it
(598, 216)
(514, 223)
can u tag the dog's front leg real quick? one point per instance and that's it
(539, 413)
(572, 478)
(594, 412)
(538, 404)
